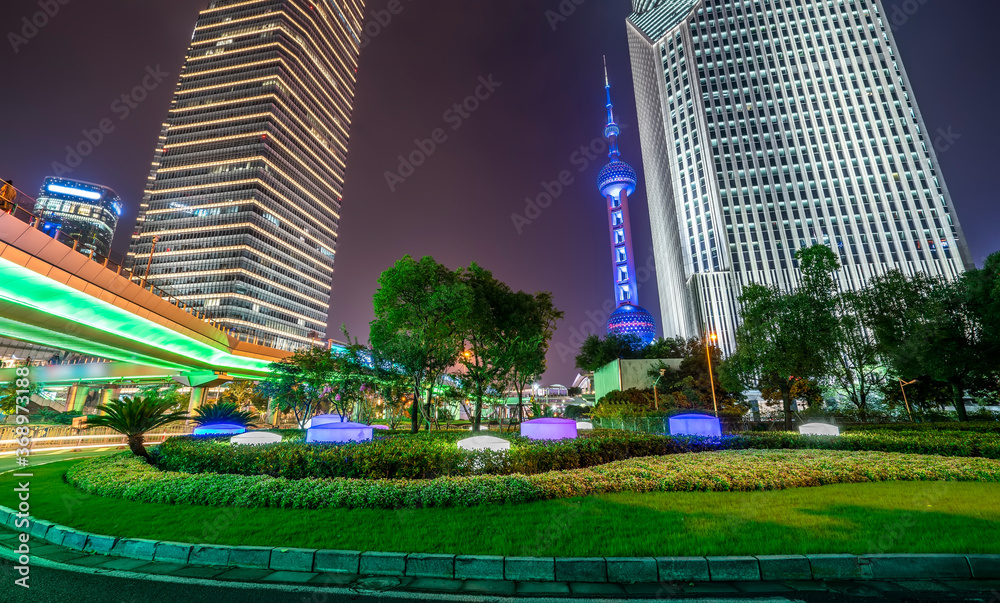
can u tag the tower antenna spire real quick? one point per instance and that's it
(611, 130)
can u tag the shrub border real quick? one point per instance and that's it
(126, 477)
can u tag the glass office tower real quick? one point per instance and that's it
(243, 201)
(87, 213)
(772, 125)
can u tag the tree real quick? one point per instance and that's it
(596, 352)
(533, 319)
(390, 386)
(485, 329)
(689, 386)
(135, 417)
(944, 330)
(854, 359)
(244, 395)
(10, 392)
(301, 382)
(419, 310)
(351, 375)
(784, 337)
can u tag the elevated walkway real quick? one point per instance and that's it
(55, 296)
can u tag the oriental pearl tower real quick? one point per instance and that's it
(616, 182)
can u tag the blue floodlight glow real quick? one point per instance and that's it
(219, 429)
(695, 425)
(74, 192)
(549, 429)
(338, 433)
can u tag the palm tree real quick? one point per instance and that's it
(222, 412)
(135, 417)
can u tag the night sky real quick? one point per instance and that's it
(457, 207)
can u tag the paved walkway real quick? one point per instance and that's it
(52, 559)
(44, 457)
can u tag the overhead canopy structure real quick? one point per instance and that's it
(53, 296)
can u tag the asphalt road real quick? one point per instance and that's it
(49, 584)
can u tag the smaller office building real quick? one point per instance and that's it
(83, 211)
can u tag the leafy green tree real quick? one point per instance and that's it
(9, 394)
(784, 337)
(945, 330)
(391, 388)
(689, 386)
(855, 362)
(419, 310)
(485, 329)
(533, 319)
(244, 395)
(351, 377)
(135, 417)
(301, 382)
(596, 352)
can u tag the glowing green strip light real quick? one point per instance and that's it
(29, 289)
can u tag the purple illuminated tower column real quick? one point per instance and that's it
(616, 182)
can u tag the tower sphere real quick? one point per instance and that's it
(615, 177)
(629, 319)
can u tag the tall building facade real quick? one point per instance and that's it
(616, 181)
(242, 206)
(772, 125)
(86, 212)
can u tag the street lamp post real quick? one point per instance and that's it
(711, 376)
(902, 388)
(656, 399)
(149, 264)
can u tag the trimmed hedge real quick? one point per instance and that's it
(976, 426)
(432, 455)
(419, 456)
(131, 478)
(944, 443)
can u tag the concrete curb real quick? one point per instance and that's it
(597, 570)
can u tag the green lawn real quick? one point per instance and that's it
(892, 517)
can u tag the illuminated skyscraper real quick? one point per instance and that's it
(243, 201)
(616, 182)
(772, 125)
(87, 213)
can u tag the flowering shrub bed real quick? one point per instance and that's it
(432, 455)
(128, 477)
